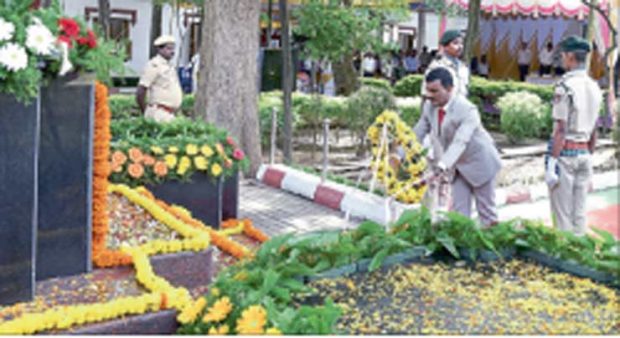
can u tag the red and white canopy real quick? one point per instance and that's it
(569, 8)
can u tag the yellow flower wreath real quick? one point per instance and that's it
(413, 164)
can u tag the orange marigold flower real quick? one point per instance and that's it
(148, 160)
(116, 167)
(119, 157)
(252, 321)
(160, 168)
(136, 155)
(135, 170)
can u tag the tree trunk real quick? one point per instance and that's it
(227, 94)
(473, 26)
(270, 22)
(590, 31)
(345, 76)
(287, 82)
(421, 30)
(155, 26)
(104, 18)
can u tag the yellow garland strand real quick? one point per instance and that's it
(239, 229)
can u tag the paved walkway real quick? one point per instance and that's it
(277, 212)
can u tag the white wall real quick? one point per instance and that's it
(431, 38)
(139, 33)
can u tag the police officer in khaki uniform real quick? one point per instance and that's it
(575, 110)
(451, 49)
(159, 93)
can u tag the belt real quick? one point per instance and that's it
(571, 145)
(166, 108)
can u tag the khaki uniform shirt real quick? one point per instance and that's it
(162, 83)
(577, 101)
(459, 71)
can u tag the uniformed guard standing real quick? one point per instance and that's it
(159, 93)
(451, 49)
(576, 108)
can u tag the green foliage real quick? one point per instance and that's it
(409, 86)
(522, 115)
(123, 106)
(365, 105)
(334, 28)
(410, 109)
(377, 83)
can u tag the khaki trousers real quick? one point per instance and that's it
(568, 197)
(158, 114)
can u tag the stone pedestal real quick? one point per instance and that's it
(202, 196)
(19, 140)
(65, 178)
(230, 197)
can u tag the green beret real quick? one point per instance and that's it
(448, 36)
(574, 43)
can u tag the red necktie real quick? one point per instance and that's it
(440, 115)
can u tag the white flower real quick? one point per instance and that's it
(66, 65)
(13, 57)
(39, 39)
(6, 30)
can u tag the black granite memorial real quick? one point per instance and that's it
(230, 197)
(202, 196)
(65, 178)
(19, 138)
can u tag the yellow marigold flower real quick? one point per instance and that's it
(206, 150)
(215, 292)
(173, 150)
(182, 170)
(216, 170)
(218, 312)
(157, 150)
(201, 163)
(241, 276)
(185, 162)
(222, 330)
(273, 331)
(252, 321)
(191, 149)
(171, 160)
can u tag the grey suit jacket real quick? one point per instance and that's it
(462, 143)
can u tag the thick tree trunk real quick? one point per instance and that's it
(155, 26)
(287, 83)
(345, 76)
(227, 92)
(473, 27)
(104, 18)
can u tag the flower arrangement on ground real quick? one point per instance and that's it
(40, 44)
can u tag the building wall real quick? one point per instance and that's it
(139, 33)
(431, 38)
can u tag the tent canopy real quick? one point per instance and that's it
(568, 8)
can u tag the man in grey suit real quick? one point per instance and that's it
(463, 151)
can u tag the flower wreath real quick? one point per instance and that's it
(403, 185)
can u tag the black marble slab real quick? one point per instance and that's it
(65, 178)
(230, 197)
(19, 140)
(202, 196)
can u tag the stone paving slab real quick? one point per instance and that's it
(276, 212)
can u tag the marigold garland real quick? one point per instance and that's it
(102, 256)
(219, 240)
(248, 229)
(409, 190)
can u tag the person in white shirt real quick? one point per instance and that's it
(369, 65)
(524, 59)
(545, 57)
